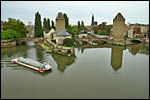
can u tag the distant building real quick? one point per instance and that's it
(118, 27)
(93, 23)
(30, 29)
(1, 26)
(139, 30)
(89, 28)
(130, 33)
(83, 33)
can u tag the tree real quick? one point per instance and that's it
(68, 42)
(53, 26)
(82, 27)
(9, 34)
(66, 20)
(79, 25)
(38, 26)
(44, 25)
(102, 32)
(48, 24)
(16, 25)
(74, 30)
(82, 23)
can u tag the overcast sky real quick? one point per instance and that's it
(104, 11)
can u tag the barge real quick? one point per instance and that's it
(32, 64)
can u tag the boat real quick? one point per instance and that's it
(32, 64)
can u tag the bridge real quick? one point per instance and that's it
(137, 40)
(88, 40)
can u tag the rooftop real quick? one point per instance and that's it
(119, 16)
(61, 33)
(60, 16)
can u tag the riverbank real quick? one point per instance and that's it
(8, 44)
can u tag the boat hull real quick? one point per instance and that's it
(31, 67)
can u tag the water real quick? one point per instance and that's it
(99, 72)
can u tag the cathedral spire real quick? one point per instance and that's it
(92, 23)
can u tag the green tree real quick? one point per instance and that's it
(48, 24)
(82, 27)
(44, 25)
(53, 26)
(9, 34)
(16, 25)
(79, 25)
(38, 26)
(68, 42)
(82, 24)
(74, 30)
(102, 32)
(66, 20)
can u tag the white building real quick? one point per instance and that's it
(48, 35)
(130, 33)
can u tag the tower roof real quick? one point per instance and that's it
(119, 16)
(60, 16)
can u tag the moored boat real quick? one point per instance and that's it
(32, 64)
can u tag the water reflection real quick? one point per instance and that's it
(63, 61)
(117, 53)
(30, 50)
(116, 57)
(139, 49)
(33, 51)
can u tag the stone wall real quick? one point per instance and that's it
(8, 44)
(60, 24)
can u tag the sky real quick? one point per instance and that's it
(104, 11)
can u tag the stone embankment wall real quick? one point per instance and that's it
(8, 44)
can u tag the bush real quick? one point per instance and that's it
(68, 42)
(9, 34)
(102, 32)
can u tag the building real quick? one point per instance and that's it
(118, 27)
(30, 29)
(93, 23)
(1, 26)
(49, 34)
(130, 33)
(89, 28)
(83, 33)
(60, 34)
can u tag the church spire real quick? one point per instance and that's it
(92, 20)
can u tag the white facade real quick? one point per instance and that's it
(130, 33)
(82, 35)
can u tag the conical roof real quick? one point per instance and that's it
(52, 30)
(119, 16)
(60, 16)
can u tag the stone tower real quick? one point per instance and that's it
(60, 22)
(118, 27)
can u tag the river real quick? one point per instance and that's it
(99, 72)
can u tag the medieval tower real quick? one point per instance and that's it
(60, 22)
(118, 27)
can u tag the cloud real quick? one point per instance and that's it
(133, 11)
